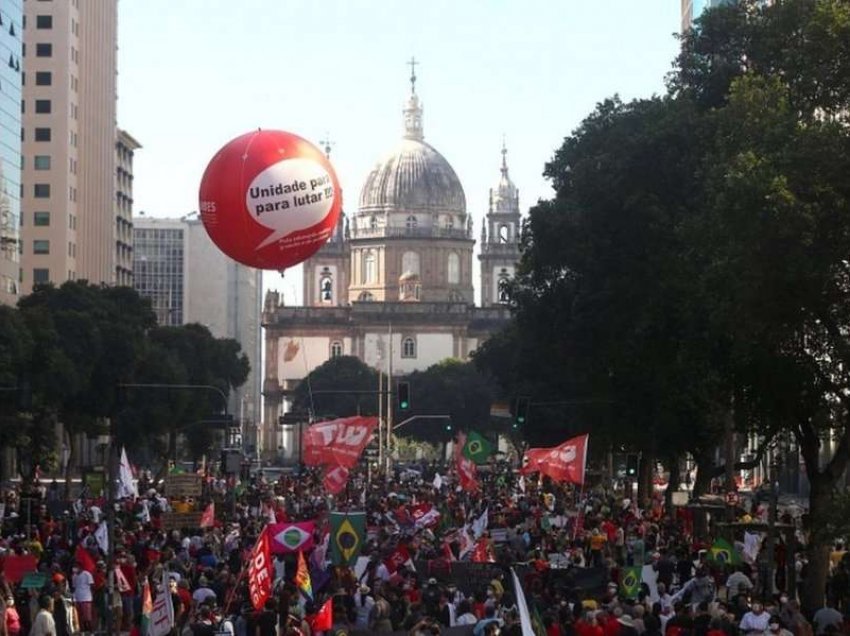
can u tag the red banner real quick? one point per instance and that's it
(338, 442)
(335, 479)
(565, 462)
(467, 471)
(260, 572)
(16, 566)
(399, 557)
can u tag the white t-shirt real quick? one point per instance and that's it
(82, 582)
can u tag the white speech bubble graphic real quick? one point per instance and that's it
(290, 195)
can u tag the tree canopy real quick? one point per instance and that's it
(691, 270)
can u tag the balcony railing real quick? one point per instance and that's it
(412, 232)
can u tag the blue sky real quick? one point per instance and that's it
(195, 73)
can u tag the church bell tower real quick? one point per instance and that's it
(500, 239)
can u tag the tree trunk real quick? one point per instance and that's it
(673, 483)
(646, 471)
(813, 593)
(705, 472)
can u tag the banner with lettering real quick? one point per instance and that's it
(338, 442)
(565, 462)
(260, 572)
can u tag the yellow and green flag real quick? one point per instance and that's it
(630, 583)
(477, 448)
(348, 535)
(723, 552)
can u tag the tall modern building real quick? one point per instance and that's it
(189, 280)
(69, 135)
(692, 9)
(11, 78)
(125, 148)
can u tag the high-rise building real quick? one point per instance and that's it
(69, 136)
(11, 34)
(125, 147)
(160, 266)
(692, 9)
(189, 280)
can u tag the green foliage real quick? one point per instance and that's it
(353, 387)
(74, 345)
(453, 388)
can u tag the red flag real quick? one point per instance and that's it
(399, 557)
(335, 479)
(260, 572)
(483, 552)
(565, 462)
(466, 469)
(323, 621)
(208, 518)
(84, 559)
(338, 442)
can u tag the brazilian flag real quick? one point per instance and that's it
(348, 536)
(477, 448)
(722, 552)
(630, 583)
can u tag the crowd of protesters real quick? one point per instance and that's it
(546, 527)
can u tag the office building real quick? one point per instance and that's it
(69, 135)
(125, 148)
(11, 61)
(189, 280)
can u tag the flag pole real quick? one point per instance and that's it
(581, 489)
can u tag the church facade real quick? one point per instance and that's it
(394, 284)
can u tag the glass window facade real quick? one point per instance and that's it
(158, 265)
(11, 12)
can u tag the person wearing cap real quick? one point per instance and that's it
(203, 592)
(627, 626)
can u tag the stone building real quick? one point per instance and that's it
(395, 280)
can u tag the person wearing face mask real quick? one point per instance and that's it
(755, 621)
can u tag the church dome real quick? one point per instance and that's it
(413, 178)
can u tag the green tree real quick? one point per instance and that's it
(87, 340)
(341, 387)
(190, 354)
(452, 388)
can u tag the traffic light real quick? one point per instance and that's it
(521, 411)
(632, 465)
(403, 394)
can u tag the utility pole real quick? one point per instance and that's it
(389, 426)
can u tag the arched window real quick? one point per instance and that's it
(410, 263)
(504, 233)
(326, 286)
(408, 348)
(365, 297)
(369, 267)
(336, 349)
(411, 223)
(502, 295)
(448, 223)
(454, 269)
(373, 222)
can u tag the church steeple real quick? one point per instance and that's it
(500, 241)
(413, 108)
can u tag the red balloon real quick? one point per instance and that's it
(270, 199)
